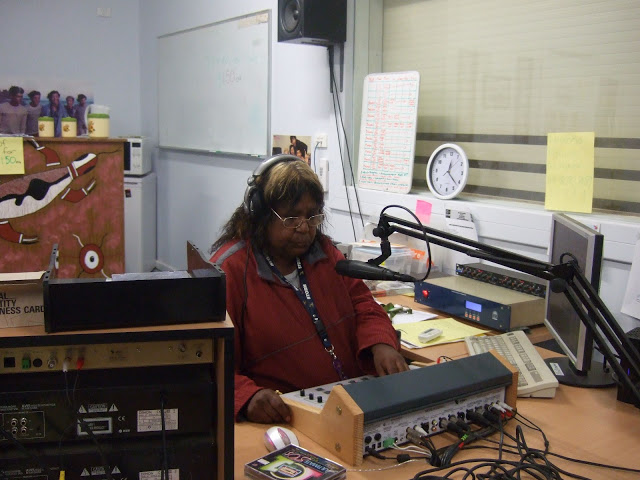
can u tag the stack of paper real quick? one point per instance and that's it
(452, 331)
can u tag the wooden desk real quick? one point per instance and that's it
(586, 424)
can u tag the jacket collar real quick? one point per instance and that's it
(313, 255)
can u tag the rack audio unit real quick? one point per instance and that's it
(496, 307)
(119, 403)
(502, 277)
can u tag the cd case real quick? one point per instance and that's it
(294, 462)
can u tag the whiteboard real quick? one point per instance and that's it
(388, 131)
(213, 86)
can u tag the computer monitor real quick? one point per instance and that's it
(584, 244)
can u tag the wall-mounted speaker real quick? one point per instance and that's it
(313, 22)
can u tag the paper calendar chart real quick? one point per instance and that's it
(388, 131)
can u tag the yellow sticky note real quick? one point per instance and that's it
(11, 156)
(570, 166)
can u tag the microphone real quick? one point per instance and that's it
(368, 271)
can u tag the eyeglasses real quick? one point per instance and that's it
(295, 222)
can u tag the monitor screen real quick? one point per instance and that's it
(585, 244)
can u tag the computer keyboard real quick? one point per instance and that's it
(536, 378)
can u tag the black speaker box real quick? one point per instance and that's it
(313, 22)
(625, 394)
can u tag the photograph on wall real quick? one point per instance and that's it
(25, 102)
(298, 145)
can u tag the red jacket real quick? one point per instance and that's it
(276, 344)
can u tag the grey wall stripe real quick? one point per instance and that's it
(600, 203)
(600, 142)
(608, 173)
(505, 192)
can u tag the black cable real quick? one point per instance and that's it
(84, 427)
(346, 143)
(70, 402)
(424, 236)
(165, 461)
(563, 457)
(532, 461)
(344, 177)
(400, 458)
(103, 458)
(529, 424)
(22, 448)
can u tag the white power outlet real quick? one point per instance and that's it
(323, 173)
(321, 140)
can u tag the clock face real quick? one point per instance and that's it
(447, 171)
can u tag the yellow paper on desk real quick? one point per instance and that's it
(452, 331)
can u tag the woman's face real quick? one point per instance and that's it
(289, 243)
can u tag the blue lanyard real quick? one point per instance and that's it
(304, 295)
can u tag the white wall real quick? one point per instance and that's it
(198, 192)
(66, 40)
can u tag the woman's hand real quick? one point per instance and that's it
(266, 406)
(387, 359)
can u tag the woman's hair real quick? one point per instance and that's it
(283, 184)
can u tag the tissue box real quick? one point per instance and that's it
(21, 303)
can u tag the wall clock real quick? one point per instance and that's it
(447, 171)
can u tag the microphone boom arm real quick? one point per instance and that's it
(582, 296)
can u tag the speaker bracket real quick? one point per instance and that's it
(331, 62)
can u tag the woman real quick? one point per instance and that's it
(298, 323)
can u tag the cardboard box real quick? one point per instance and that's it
(21, 303)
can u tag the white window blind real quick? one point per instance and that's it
(497, 76)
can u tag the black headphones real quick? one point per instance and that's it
(253, 196)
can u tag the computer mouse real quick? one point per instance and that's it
(276, 438)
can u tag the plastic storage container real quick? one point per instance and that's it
(399, 261)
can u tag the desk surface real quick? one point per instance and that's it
(585, 424)
(456, 349)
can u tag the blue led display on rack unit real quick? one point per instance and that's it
(476, 307)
